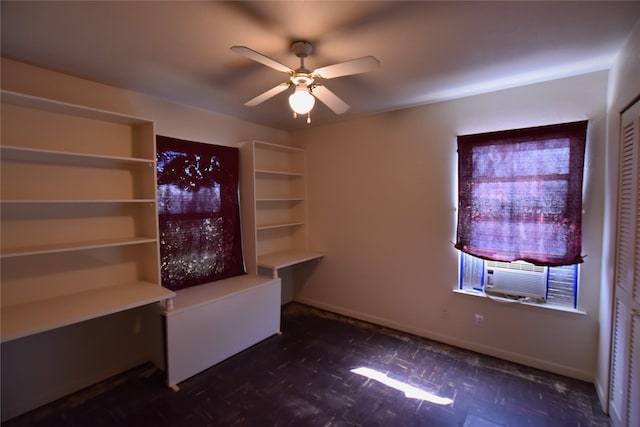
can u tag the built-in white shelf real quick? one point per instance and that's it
(59, 107)
(12, 153)
(277, 260)
(76, 246)
(39, 316)
(282, 225)
(278, 178)
(76, 201)
(280, 199)
(78, 214)
(278, 147)
(274, 172)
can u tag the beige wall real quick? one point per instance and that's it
(382, 207)
(624, 88)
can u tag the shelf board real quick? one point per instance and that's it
(275, 172)
(280, 199)
(278, 147)
(67, 158)
(279, 225)
(77, 246)
(78, 201)
(278, 260)
(29, 101)
(31, 318)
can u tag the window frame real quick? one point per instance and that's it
(477, 288)
(576, 134)
(200, 236)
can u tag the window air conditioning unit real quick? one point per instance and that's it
(520, 279)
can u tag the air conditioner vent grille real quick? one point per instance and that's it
(516, 265)
(516, 279)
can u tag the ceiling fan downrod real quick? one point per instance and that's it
(302, 49)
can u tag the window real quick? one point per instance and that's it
(520, 194)
(520, 212)
(198, 210)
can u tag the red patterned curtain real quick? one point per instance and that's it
(199, 214)
(520, 194)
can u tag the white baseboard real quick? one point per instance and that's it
(520, 358)
(603, 395)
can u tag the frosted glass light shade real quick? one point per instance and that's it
(301, 101)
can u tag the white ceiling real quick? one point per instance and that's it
(430, 51)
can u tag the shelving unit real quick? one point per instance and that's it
(78, 215)
(279, 193)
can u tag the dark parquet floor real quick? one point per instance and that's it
(303, 378)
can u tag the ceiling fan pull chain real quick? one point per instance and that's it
(309, 117)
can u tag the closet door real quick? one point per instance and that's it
(625, 361)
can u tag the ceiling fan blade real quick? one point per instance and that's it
(347, 68)
(266, 95)
(258, 57)
(330, 99)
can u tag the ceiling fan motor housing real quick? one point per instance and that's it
(301, 78)
(301, 48)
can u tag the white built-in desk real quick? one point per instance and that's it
(278, 260)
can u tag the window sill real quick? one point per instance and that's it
(512, 301)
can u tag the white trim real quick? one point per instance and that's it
(603, 395)
(545, 306)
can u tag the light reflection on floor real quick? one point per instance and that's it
(408, 390)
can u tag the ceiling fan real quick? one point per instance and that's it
(305, 82)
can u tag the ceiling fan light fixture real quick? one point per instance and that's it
(301, 101)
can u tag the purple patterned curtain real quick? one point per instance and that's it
(520, 194)
(199, 215)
